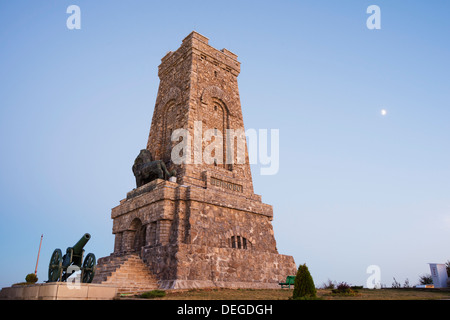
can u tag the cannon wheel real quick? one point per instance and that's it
(55, 266)
(88, 269)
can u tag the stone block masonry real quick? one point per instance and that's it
(59, 291)
(207, 229)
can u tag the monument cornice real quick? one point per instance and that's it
(198, 45)
(165, 190)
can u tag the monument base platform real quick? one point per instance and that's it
(185, 266)
(59, 291)
(207, 284)
(182, 237)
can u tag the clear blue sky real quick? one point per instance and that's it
(354, 188)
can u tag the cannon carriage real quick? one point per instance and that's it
(62, 266)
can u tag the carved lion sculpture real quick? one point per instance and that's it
(146, 169)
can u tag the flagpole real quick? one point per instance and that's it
(35, 271)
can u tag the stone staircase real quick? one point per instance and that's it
(128, 273)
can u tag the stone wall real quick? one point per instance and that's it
(172, 213)
(59, 291)
(196, 266)
(202, 237)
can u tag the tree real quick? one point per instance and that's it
(425, 279)
(304, 284)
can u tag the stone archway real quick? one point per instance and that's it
(138, 238)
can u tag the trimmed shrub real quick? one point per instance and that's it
(304, 285)
(31, 278)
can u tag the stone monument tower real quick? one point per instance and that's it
(193, 220)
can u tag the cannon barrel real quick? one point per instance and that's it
(78, 247)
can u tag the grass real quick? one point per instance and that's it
(153, 294)
(286, 294)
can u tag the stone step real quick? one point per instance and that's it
(128, 273)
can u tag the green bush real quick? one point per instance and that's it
(396, 284)
(328, 285)
(31, 278)
(345, 289)
(426, 279)
(153, 294)
(304, 285)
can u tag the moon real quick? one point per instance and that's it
(383, 112)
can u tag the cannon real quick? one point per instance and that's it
(61, 267)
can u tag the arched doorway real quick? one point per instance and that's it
(138, 239)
